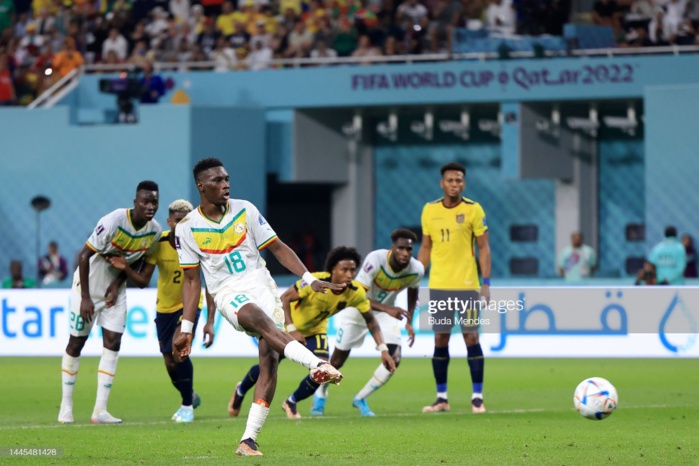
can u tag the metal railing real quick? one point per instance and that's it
(54, 93)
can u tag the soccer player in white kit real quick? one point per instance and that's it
(223, 238)
(384, 274)
(99, 294)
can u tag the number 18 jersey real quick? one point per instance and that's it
(227, 250)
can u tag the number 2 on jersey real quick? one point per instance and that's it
(234, 262)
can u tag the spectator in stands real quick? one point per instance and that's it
(225, 21)
(641, 9)
(445, 17)
(280, 42)
(412, 9)
(137, 35)
(16, 278)
(152, 84)
(28, 46)
(240, 37)
(52, 267)
(606, 13)
(223, 56)
(686, 34)
(44, 22)
(116, 43)
(67, 59)
(321, 50)
(577, 261)
(259, 57)
(158, 24)
(140, 54)
(646, 275)
(500, 17)
(300, 41)
(180, 10)
(366, 49)
(669, 258)
(261, 35)
(7, 13)
(345, 40)
(7, 88)
(690, 270)
(657, 28)
(208, 37)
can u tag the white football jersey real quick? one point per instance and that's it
(228, 250)
(382, 283)
(116, 235)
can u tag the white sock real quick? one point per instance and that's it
(477, 395)
(378, 380)
(442, 395)
(322, 391)
(298, 353)
(105, 378)
(256, 419)
(69, 374)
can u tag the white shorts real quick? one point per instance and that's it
(351, 331)
(263, 293)
(112, 318)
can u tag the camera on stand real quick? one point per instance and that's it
(126, 87)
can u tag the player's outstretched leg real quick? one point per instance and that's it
(241, 389)
(440, 366)
(264, 393)
(476, 364)
(337, 360)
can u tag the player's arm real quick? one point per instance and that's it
(211, 315)
(373, 326)
(191, 292)
(423, 255)
(291, 294)
(293, 264)
(140, 277)
(393, 311)
(412, 303)
(485, 263)
(87, 307)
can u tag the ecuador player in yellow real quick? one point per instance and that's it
(306, 318)
(451, 226)
(169, 307)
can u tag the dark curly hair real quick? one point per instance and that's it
(457, 167)
(341, 253)
(205, 164)
(403, 233)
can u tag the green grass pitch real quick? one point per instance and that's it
(530, 417)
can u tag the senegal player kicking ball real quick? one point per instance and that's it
(384, 274)
(169, 307)
(450, 227)
(307, 313)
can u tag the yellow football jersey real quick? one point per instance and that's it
(453, 232)
(311, 312)
(171, 277)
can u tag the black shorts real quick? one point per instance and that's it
(453, 309)
(166, 324)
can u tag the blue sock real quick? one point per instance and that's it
(185, 381)
(250, 379)
(476, 363)
(306, 389)
(440, 365)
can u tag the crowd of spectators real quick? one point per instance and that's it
(650, 23)
(43, 40)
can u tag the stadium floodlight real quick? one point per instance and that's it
(551, 127)
(425, 128)
(491, 126)
(389, 129)
(588, 125)
(460, 129)
(353, 129)
(627, 125)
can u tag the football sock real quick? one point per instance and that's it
(306, 389)
(378, 380)
(185, 381)
(301, 355)
(69, 373)
(172, 372)
(105, 378)
(476, 363)
(249, 380)
(322, 391)
(256, 419)
(440, 366)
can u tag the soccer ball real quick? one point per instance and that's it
(595, 398)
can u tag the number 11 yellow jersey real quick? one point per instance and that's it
(453, 232)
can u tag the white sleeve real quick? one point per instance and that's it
(104, 232)
(154, 244)
(187, 250)
(369, 269)
(420, 274)
(262, 233)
